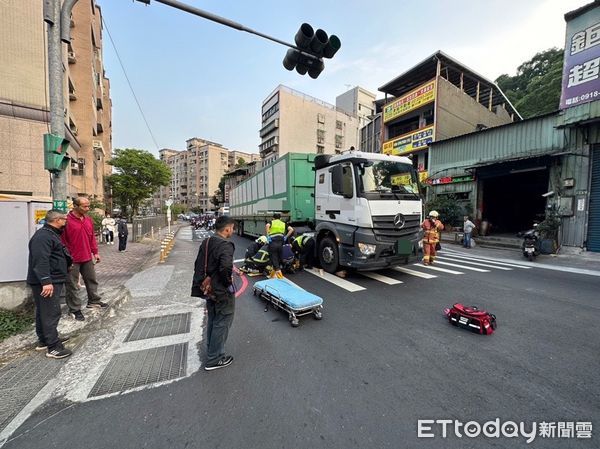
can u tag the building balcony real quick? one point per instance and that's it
(269, 127)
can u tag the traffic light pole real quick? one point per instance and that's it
(58, 24)
(223, 21)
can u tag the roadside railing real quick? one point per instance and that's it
(148, 227)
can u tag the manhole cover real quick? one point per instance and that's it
(160, 326)
(137, 368)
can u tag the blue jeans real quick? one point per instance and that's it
(467, 240)
(220, 318)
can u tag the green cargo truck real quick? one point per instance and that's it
(286, 186)
(364, 208)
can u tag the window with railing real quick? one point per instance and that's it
(339, 141)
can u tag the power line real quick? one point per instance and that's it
(129, 83)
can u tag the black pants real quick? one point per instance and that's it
(122, 242)
(275, 250)
(307, 253)
(47, 315)
(220, 317)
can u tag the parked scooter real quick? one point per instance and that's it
(531, 243)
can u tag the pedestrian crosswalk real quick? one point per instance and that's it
(448, 263)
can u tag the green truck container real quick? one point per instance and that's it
(286, 186)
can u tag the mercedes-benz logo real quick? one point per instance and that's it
(399, 221)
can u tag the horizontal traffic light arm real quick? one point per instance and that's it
(229, 23)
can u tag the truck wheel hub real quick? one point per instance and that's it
(327, 254)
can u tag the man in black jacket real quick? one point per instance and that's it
(123, 233)
(215, 260)
(49, 263)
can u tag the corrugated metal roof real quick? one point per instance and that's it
(529, 138)
(585, 112)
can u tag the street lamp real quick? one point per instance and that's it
(169, 203)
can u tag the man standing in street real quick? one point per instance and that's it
(431, 237)
(468, 227)
(215, 261)
(49, 263)
(276, 230)
(123, 234)
(80, 240)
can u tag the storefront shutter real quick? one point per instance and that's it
(593, 237)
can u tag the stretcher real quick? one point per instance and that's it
(290, 298)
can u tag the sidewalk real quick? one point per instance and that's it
(567, 258)
(24, 372)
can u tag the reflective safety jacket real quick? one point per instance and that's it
(277, 228)
(432, 230)
(262, 256)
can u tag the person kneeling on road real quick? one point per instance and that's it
(304, 248)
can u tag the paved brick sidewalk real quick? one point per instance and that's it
(115, 267)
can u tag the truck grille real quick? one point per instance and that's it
(384, 229)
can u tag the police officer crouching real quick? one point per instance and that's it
(304, 248)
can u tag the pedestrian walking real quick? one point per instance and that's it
(80, 240)
(276, 231)
(109, 225)
(49, 262)
(431, 238)
(468, 227)
(123, 233)
(213, 271)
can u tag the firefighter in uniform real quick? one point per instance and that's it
(432, 227)
(276, 230)
(304, 248)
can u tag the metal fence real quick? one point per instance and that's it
(148, 227)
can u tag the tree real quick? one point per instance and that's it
(535, 89)
(139, 175)
(222, 186)
(215, 199)
(240, 162)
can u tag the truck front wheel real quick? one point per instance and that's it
(328, 255)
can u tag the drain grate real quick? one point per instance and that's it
(21, 380)
(160, 326)
(137, 368)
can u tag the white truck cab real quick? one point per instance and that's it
(367, 210)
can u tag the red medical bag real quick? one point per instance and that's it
(470, 317)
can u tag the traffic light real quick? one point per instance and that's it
(55, 153)
(314, 46)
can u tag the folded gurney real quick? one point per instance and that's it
(294, 300)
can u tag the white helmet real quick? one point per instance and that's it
(434, 214)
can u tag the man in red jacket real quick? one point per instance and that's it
(80, 240)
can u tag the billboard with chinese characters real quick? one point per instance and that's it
(450, 180)
(416, 98)
(581, 71)
(407, 143)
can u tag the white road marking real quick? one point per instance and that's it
(473, 263)
(381, 278)
(443, 270)
(464, 267)
(414, 273)
(346, 285)
(238, 260)
(483, 259)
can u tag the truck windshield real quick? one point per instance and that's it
(388, 177)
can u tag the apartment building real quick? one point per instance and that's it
(359, 102)
(296, 122)
(24, 102)
(197, 172)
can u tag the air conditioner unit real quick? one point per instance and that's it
(97, 144)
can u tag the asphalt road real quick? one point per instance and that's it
(381, 359)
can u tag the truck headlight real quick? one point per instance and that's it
(367, 249)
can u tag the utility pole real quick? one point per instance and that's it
(58, 21)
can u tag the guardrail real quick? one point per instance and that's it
(148, 227)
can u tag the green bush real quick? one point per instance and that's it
(450, 209)
(12, 323)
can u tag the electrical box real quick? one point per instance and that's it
(21, 217)
(566, 205)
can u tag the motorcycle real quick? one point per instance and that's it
(531, 243)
